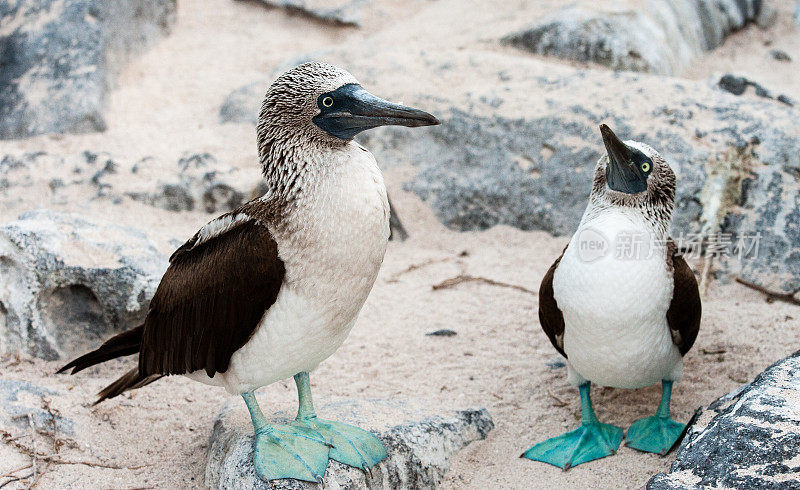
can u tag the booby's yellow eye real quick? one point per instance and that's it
(646, 167)
(327, 101)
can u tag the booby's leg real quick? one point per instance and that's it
(286, 451)
(351, 445)
(592, 440)
(656, 434)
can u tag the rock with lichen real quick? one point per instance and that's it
(420, 443)
(749, 438)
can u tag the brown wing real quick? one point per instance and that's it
(685, 309)
(210, 301)
(550, 316)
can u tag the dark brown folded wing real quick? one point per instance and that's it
(550, 316)
(210, 301)
(685, 309)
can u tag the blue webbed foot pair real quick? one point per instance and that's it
(301, 449)
(594, 440)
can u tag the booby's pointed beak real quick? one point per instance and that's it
(622, 174)
(349, 110)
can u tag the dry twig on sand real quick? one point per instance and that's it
(411, 268)
(771, 295)
(37, 458)
(462, 278)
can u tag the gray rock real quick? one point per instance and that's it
(780, 55)
(23, 405)
(242, 105)
(478, 172)
(766, 227)
(797, 12)
(767, 15)
(198, 182)
(662, 38)
(67, 282)
(59, 59)
(420, 445)
(343, 12)
(738, 86)
(749, 438)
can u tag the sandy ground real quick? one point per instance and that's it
(498, 360)
(167, 103)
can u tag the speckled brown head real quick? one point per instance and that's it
(317, 104)
(635, 175)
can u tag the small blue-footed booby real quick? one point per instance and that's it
(622, 315)
(271, 289)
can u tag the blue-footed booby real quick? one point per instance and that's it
(620, 303)
(271, 289)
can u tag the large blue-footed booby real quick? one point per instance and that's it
(271, 289)
(620, 304)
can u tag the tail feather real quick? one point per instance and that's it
(129, 381)
(124, 344)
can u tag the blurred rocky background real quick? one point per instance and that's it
(126, 125)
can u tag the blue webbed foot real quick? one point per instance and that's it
(592, 440)
(588, 442)
(654, 434)
(286, 451)
(352, 446)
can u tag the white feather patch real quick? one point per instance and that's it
(219, 226)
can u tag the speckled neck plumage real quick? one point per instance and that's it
(287, 140)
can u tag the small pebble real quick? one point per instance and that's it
(445, 332)
(780, 55)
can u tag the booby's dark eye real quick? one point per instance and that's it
(645, 167)
(327, 101)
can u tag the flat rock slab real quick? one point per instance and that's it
(420, 445)
(749, 438)
(67, 283)
(345, 12)
(662, 38)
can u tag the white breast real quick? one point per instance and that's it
(614, 302)
(332, 247)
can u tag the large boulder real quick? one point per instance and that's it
(59, 59)
(67, 283)
(749, 438)
(528, 161)
(531, 173)
(663, 37)
(420, 445)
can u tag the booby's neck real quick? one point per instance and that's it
(290, 160)
(657, 217)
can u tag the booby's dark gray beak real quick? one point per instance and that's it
(622, 173)
(350, 109)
